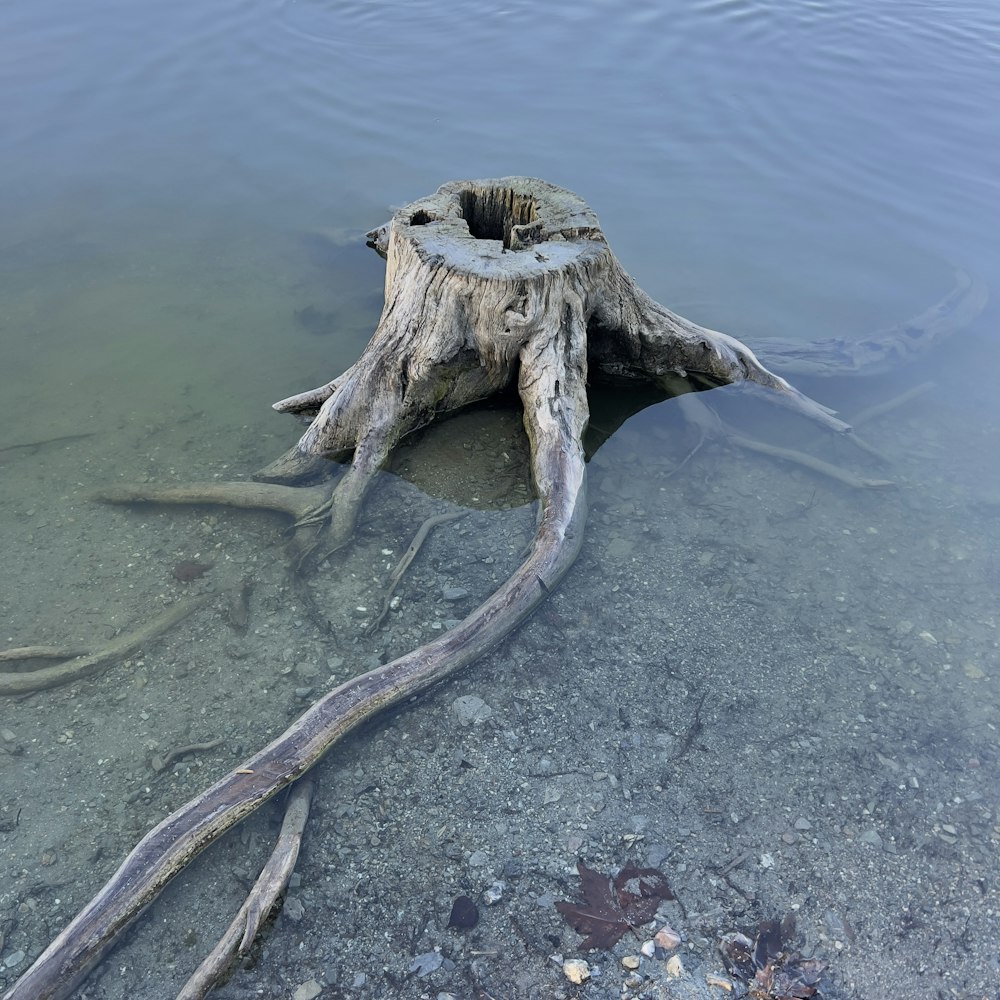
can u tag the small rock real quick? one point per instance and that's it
(293, 909)
(675, 967)
(15, 958)
(454, 593)
(359, 980)
(7, 735)
(619, 549)
(576, 970)
(478, 859)
(803, 824)
(424, 965)
(471, 710)
(494, 894)
(667, 939)
(308, 990)
(871, 837)
(630, 962)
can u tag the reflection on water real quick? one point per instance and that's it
(747, 662)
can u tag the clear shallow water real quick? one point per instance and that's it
(177, 180)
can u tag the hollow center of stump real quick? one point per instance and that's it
(492, 213)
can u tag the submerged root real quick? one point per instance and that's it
(23, 682)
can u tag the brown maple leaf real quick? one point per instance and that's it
(611, 907)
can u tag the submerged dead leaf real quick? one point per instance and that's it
(611, 907)
(770, 965)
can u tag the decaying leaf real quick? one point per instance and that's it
(770, 965)
(611, 907)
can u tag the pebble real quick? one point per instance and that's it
(675, 967)
(424, 965)
(667, 939)
(454, 593)
(293, 909)
(871, 837)
(803, 824)
(7, 735)
(13, 959)
(576, 970)
(471, 710)
(619, 549)
(477, 859)
(308, 990)
(494, 893)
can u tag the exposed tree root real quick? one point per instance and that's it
(810, 462)
(710, 425)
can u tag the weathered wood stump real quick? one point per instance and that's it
(489, 284)
(496, 282)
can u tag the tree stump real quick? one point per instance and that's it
(495, 282)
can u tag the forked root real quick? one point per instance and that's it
(23, 682)
(271, 883)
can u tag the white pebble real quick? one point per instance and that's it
(576, 970)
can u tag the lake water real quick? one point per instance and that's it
(185, 189)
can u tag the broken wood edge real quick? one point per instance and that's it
(235, 942)
(162, 762)
(17, 682)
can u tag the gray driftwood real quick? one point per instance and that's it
(488, 284)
